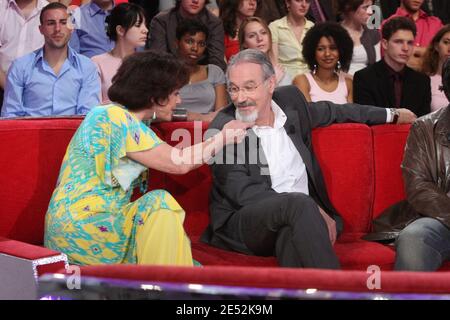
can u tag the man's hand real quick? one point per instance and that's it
(331, 224)
(405, 116)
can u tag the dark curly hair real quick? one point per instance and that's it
(191, 27)
(147, 78)
(332, 30)
(125, 15)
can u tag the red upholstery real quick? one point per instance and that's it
(360, 165)
(388, 142)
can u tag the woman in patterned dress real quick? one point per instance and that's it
(90, 217)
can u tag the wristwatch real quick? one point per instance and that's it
(179, 114)
(394, 114)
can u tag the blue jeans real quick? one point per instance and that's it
(422, 246)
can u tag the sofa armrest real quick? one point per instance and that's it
(42, 260)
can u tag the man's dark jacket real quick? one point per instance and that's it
(373, 86)
(240, 184)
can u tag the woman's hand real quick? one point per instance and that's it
(235, 131)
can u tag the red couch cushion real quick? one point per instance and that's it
(388, 143)
(344, 152)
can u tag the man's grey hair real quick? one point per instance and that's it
(446, 78)
(252, 56)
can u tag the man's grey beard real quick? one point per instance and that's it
(249, 117)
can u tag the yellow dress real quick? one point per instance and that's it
(90, 217)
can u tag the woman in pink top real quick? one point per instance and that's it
(437, 53)
(126, 26)
(327, 49)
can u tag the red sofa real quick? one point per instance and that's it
(361, 166)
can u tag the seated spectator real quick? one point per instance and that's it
(254, 33)
(205, 94)
(426, 27)
(90, 216)
(126, 27)
(437, 53)
(420, 224)
(54, 80)
(232, 13)
(366, 42)
(89, 37)
(18, 36)
(327, 49)
(163, 27)
(287, 37)
(437, 8)
(390, 82)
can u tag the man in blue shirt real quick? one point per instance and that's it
(53, 80)
(89, 37)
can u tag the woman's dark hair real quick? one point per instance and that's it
(228, 13)
(332, 30)
(346, 6)
(191, 27)
(147, 78)
(126, 15)
(398, 23)
(431, 60)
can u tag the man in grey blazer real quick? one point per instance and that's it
(269, 195)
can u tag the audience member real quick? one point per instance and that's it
(437, 53)
(366, 42)
(426, 27)
(287, 36)
(90, 217)
(19, 32)
(437, 8)
(126, 27)
(420, 225)
(163, 27)
(232, 13)
(53, 80)
(269, 196)
(254, 33)
(389, 82)
(205, 93)
(89, 37)
(327, 49)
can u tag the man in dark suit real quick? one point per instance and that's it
(269, 195)
(389, 82)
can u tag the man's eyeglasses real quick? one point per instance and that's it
(247, 89)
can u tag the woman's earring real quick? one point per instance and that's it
(154, 115)
(338, 66)
(315, 69)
